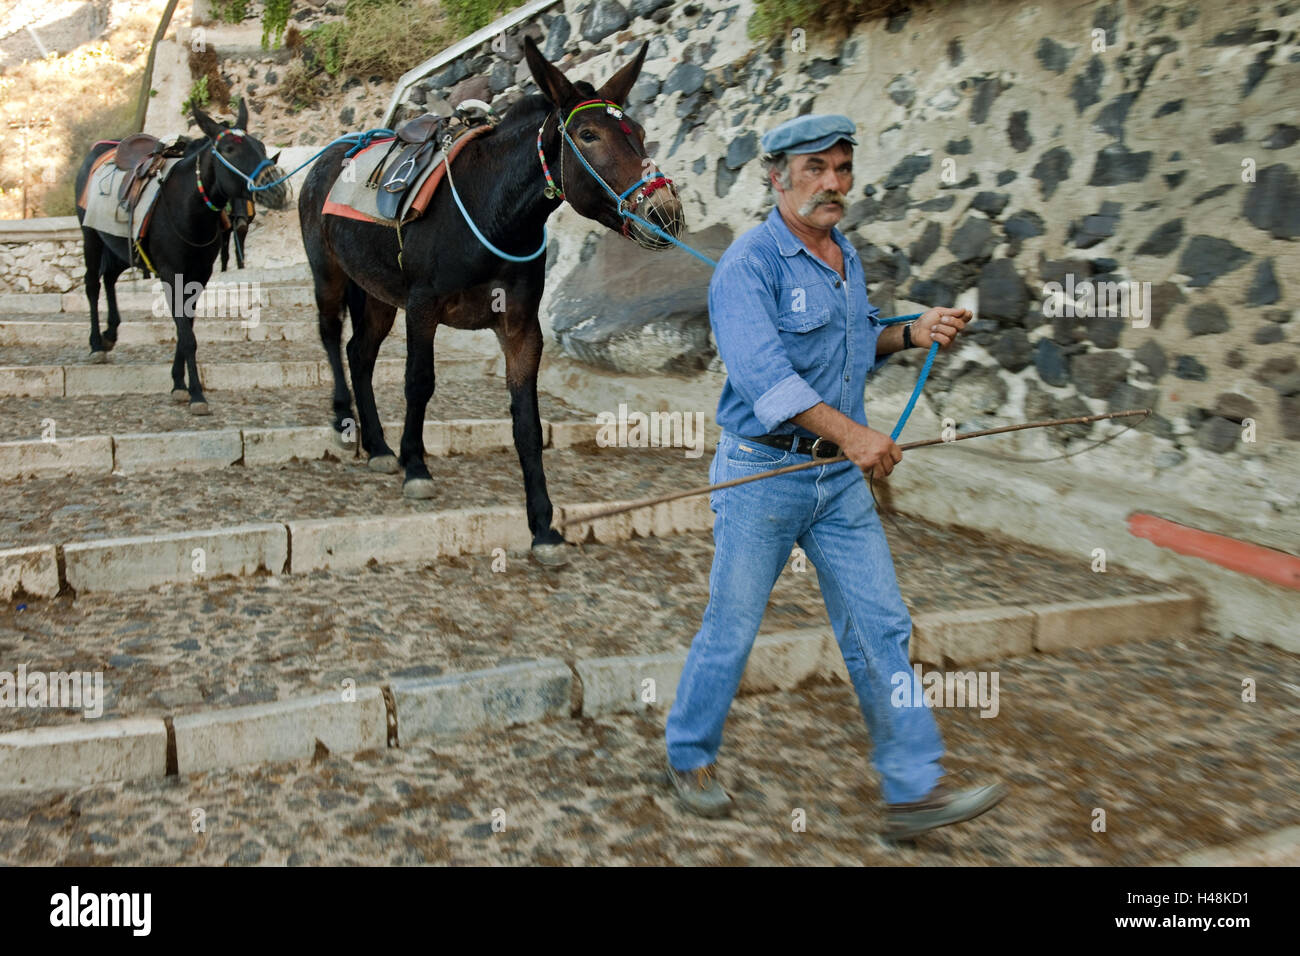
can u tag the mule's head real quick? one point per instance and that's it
(603, 170)
(240, 160)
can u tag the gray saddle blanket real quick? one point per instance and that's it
(355, 196)
(103, 211)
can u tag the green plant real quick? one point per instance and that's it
(275, 17)
(470, 15)
(328, 45)
(230, 11)
(198, 96)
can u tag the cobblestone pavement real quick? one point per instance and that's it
(1154, 734)
(82, 506)
(463, 390)
(241, 641)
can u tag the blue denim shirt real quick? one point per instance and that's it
(790, 331)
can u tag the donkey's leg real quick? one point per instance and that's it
(329, 320)
(94, 249)
(172, 287)
(113, 268)
(368, 333)
(187, 350)
(521, 340)
(421, 324)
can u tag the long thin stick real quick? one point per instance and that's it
(818, 462)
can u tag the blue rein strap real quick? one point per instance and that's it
(446, 160)
(920, 379)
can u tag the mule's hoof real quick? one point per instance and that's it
(384, 463)
(99, 357)
(109, 343)
(552, 555)
(199, 408)
(419, 488)
(180, 395)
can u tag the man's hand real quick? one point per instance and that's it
(875, 453)
(940, 325)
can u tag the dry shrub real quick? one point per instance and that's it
(205, 62)
(388, 37)
(300, 85)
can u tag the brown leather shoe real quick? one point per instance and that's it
(942, 806)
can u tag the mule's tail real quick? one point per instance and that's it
(355, 296)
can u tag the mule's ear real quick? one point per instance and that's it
(618, 86)
(554, 85)
(241, 120)
(211, 128)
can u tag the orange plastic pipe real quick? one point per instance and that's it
(1267, 564)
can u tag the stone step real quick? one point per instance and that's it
(153, 452)
(144, 498)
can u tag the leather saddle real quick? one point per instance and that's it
(418, 146)
(141, 155)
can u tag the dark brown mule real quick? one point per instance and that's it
(447, 276)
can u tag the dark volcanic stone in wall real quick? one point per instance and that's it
(742, 149)
(1003, 294)
(990, 203)
(1023, 225)
(1163, 240)
(1207, 318)
(1096, 374)
(1114, 114)
(1263, 290)
(1117, 164)
(557, 37)
(987, 89)
(1053, 56)
(1164, 297)
(901, 90)
(602, 18)
(1229, 134)
(1051, 364)
(1052, 169)
(1018, 131)
(1187, 368)
(907, 170)
(926, 244)
(973, 240)
(1012, 350)
(1153, 357)
(1087, 85)
(1282, 136)
(1273, 202)
(686, 78)
(1218, 435)
(1205, 258)
(1103, 331)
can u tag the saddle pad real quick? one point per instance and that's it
(352, 198)
(99, 199)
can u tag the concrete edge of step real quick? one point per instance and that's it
(1278, 848)
(199, 450)
(448, 707)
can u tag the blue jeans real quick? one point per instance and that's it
(828, 510)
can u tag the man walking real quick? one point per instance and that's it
(789, 310)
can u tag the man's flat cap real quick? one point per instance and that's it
(809, 134)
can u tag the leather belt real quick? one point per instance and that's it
(816, 447)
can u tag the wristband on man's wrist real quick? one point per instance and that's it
(907, 336)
